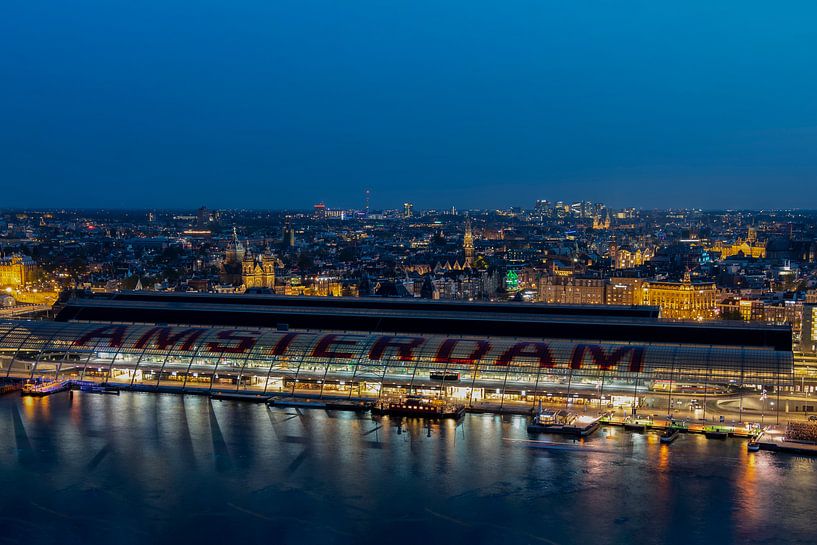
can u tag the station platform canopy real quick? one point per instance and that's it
(140, 352)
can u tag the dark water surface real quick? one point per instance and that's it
(143, 468)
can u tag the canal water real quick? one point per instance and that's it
(144, 468)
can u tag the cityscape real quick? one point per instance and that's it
(369, 273)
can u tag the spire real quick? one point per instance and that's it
(468, 243)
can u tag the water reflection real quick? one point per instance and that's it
(178, 469)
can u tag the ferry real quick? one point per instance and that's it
(563, 422)
(45, 388)
(415, 405)
(670, 435)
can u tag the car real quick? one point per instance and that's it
(813, 418)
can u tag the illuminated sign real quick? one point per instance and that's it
(338, 346)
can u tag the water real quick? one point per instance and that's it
(143, 468)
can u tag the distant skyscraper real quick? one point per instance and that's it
(289, 233)
(203, 216)
(367, 194)
(407, 210)
(320, 211)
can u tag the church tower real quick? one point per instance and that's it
(468, 243)
(248, 273)
(268, 270)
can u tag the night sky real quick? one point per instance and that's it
(282, 103)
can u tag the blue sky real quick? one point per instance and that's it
(280, 104)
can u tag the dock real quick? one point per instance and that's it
(795, 438)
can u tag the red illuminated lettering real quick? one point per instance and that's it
(404, 345)
(164, 338)
(283, 343)
(607, 361)
(529, 349)
(240, 341)
(449, 345)
(114, 333)
(324, 347)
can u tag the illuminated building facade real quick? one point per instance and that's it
(625, 291)
(748, 247)
(571, 290)
(18, 271)
(684, 300)
(628, 258)
(260, 272)
(808, 340)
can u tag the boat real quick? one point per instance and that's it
(715, 433)
(9, 388)
(753, 446)
(296, 402)
(444, 376)
(670, 435)
(415, 405)
(238, 396)
(562, 422)
(45, 388)
(348, 405)
(95, 388)
(635, 426)
(638, 423)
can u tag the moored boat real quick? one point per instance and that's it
(414, 405)
(562, 422)
(670, 435)
(715, 433)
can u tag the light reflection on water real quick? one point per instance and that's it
(165, 468)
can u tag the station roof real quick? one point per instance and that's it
(46, 342)
(615, 324)
(370, 303)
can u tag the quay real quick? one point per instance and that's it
(795, 438)
(711, 431)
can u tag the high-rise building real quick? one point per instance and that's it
(407, 210)
(203, 216)
(320, 211)
(808, 339)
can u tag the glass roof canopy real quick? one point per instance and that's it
(264, 359)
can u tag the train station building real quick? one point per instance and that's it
(370, 348)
